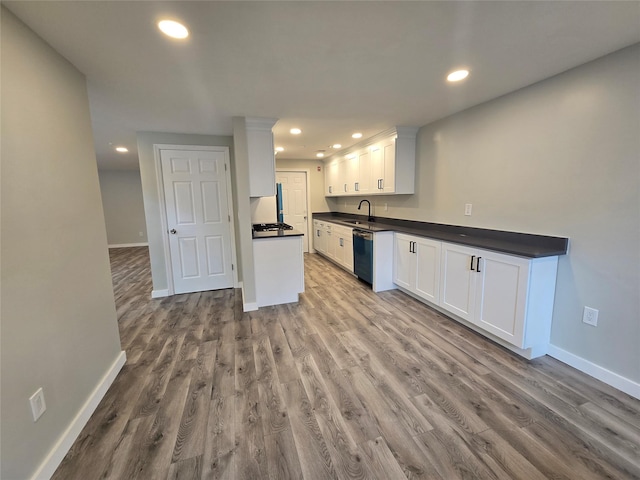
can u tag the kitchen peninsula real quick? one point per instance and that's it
(278, 264)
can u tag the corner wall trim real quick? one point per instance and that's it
(623, 384)
(126, 245)
(160, 293)
(249, 307)
(48, 467)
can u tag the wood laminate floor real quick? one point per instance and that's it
(345, 384)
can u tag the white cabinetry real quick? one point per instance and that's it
(383, 164)
(334, 242)
(262, 162)
(331, 178)
(319, 236)
(506, 296)
(342, 246)
(279, 270)
(510, 297)
(417, 266)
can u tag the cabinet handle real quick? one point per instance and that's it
(472, 257)
(342, 242)
(317, 233)
(410, 245)
(382, 184)
(379, 182)
(345, 187)
(357, 187)
(330, 189)
(478, 265)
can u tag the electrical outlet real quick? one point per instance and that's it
(38, 406)
(590, 316)
(140, 234)
(467, 209)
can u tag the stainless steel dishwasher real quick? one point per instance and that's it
(363, 255)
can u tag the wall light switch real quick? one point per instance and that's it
(467, 209)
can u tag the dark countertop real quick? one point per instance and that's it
(277, 234)
(514, 243)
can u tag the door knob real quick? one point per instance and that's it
(173, 231)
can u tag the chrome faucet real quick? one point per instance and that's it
(370, 218)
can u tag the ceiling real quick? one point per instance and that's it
(329, 68)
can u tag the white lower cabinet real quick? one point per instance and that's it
(458, 280)
(486, 288)
(417, 266)
(507, 296)
(342, 239)
(319, 236)
(334, 242)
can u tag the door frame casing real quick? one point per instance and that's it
(307, 173)
(157, 148)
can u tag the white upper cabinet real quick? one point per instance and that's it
(331, 178)
(261, 153)
(381, 165)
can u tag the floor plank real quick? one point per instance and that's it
(344, 384)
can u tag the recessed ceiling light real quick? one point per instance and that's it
(336, 145)
(351, 156)
(356, 135)
(319, 154)
(279, 149)
(295, 131)
(458, 75)
(122, 149)
(173, 29)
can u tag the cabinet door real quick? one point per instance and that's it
(332, 242)
(501, 292)
(331, 179)
(457, 280)
(427, 282)
(319, 236)
(347, 249)
(363, 181)
(376, 169)
(404, 262)
(388, 183)
(262, 163)
(351, 173)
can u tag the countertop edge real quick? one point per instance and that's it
(276, 234)
(527, 245)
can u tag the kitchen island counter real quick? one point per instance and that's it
(279, 266)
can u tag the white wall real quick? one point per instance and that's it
(561, 157)
(59, 328)
(121, 192)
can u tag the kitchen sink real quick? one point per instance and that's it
(353, 222)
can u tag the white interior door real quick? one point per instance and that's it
(294, 202)
(198, 219)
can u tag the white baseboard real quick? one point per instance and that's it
(125, 245)
(160, 293)
(596, 371)
(48, 467)
(248, 306)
